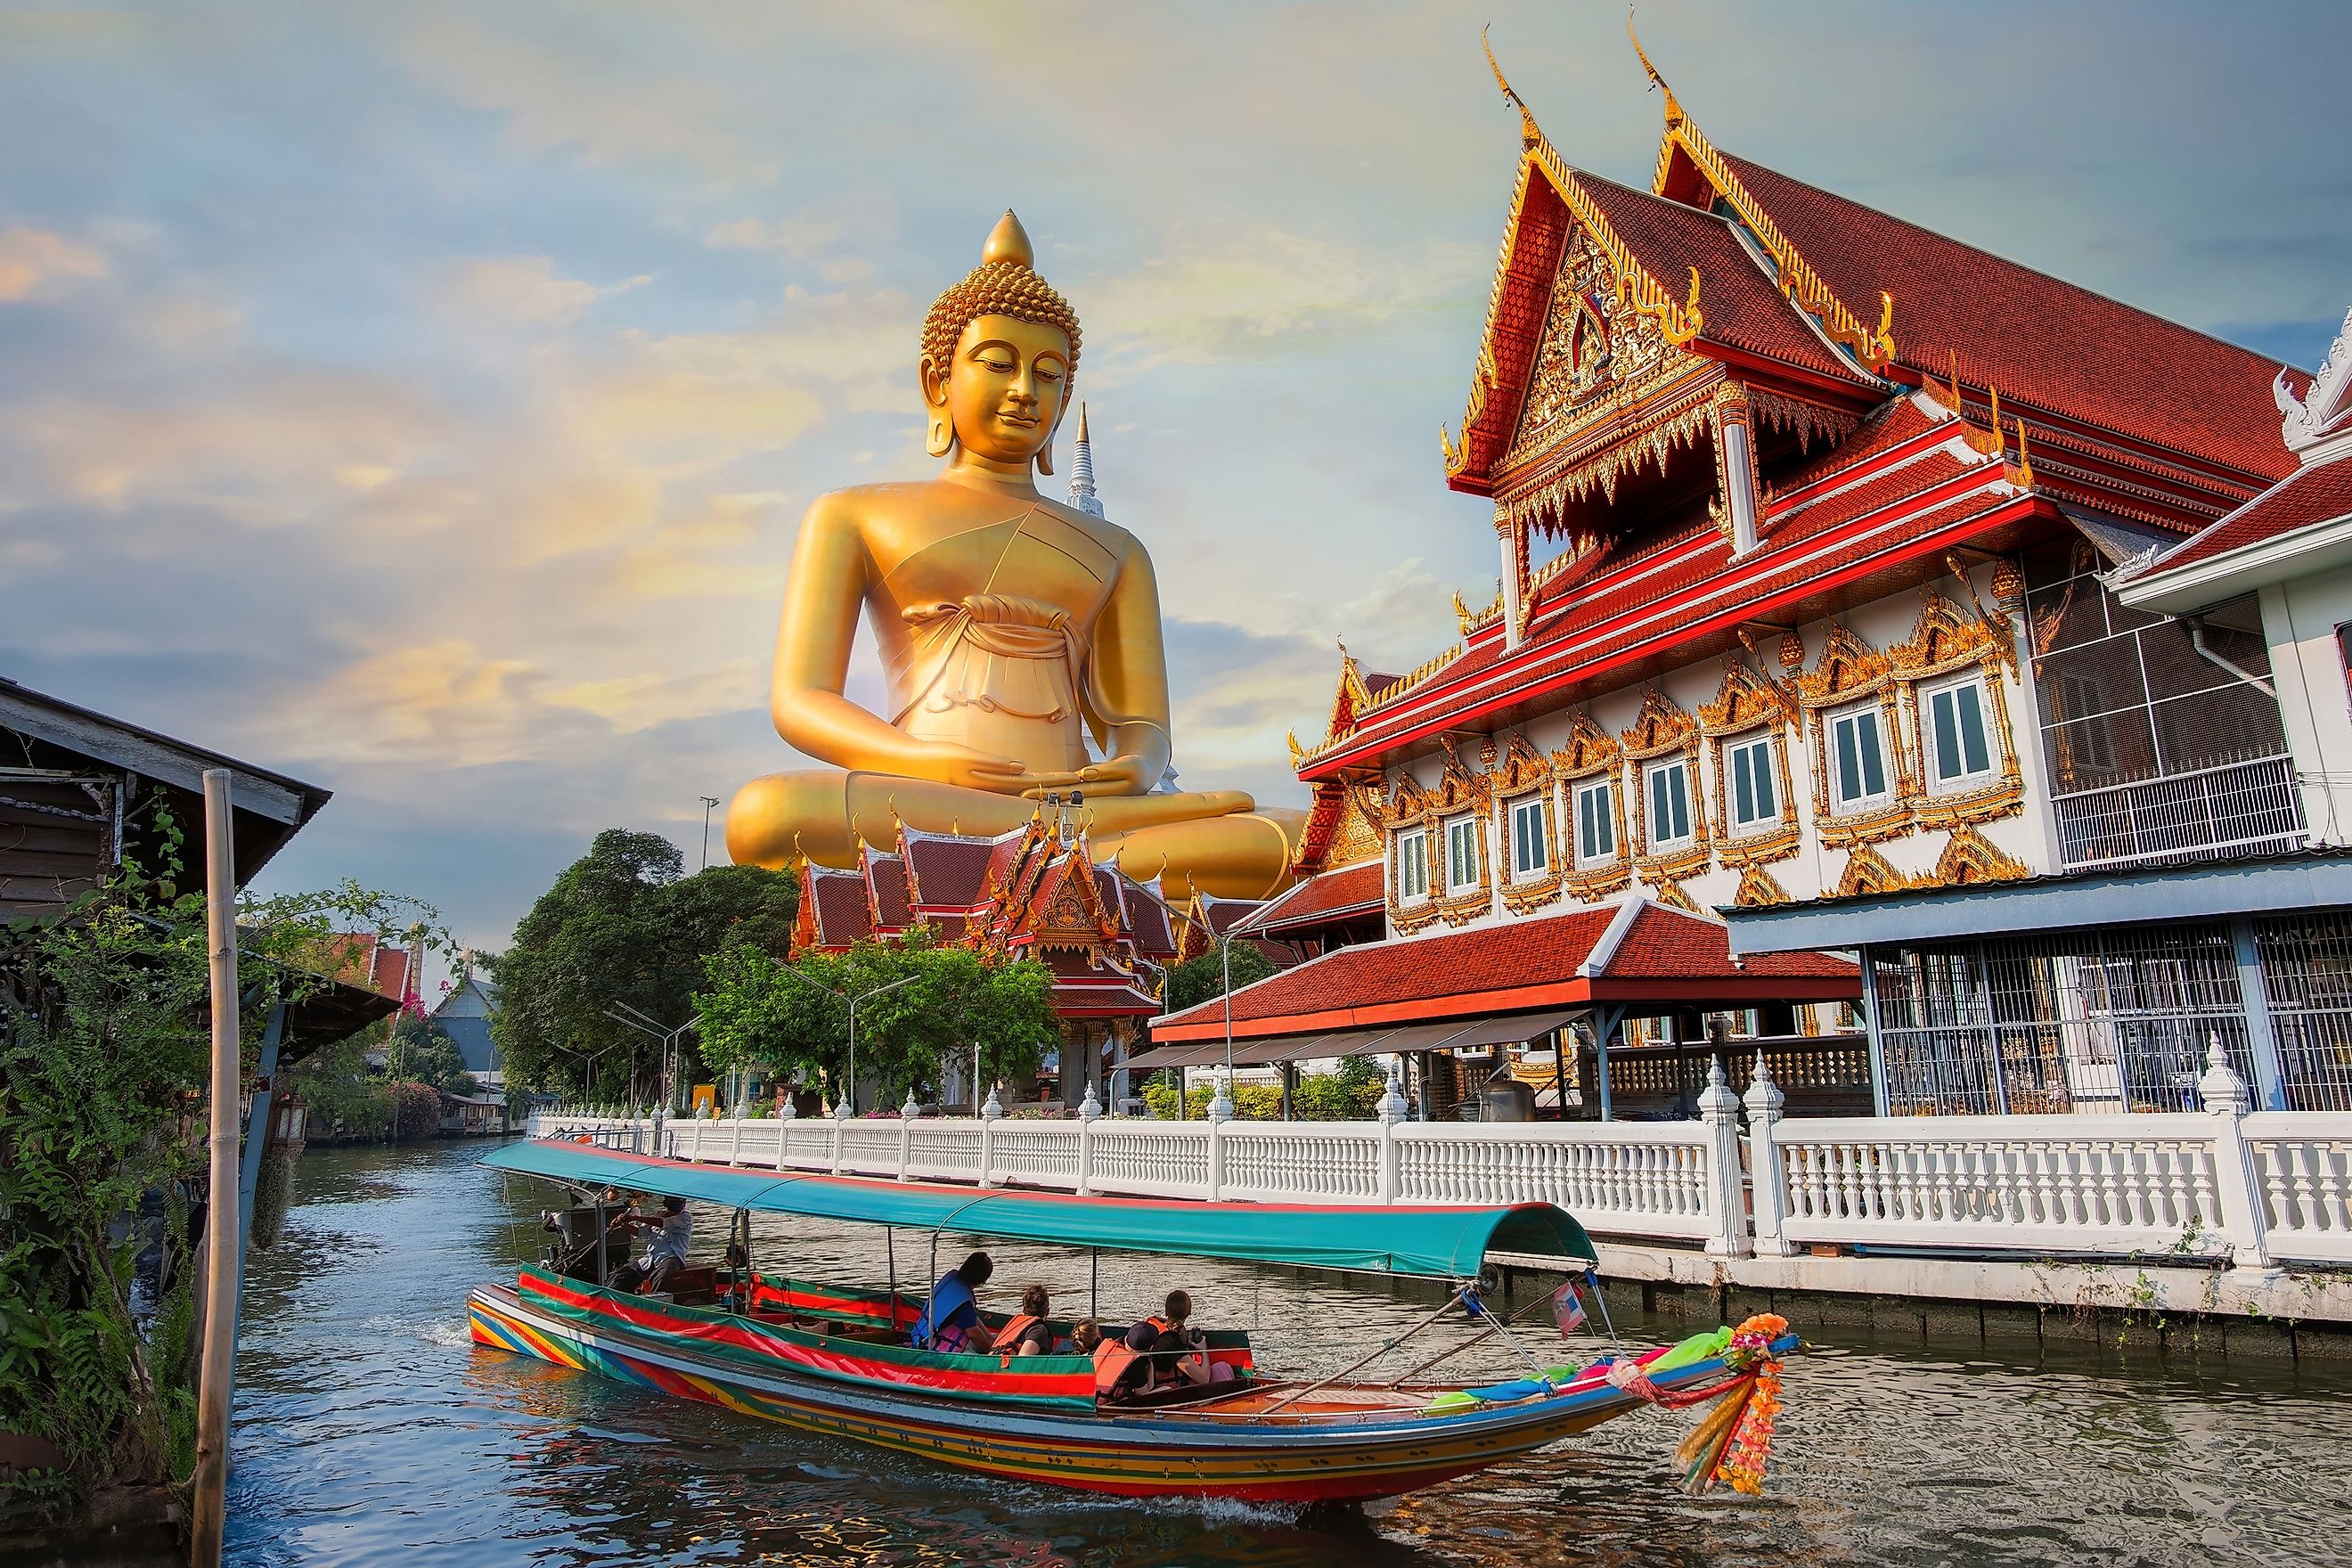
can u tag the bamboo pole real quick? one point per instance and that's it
(224, 1243)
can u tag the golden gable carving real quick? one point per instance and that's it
(1868, 871)
(1758, 890)
(1590, 749)
(1661, 726)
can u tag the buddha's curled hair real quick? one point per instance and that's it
(996, 288)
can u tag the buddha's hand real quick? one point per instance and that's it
(1122, 774)
(969, 768)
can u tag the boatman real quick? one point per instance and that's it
(950, 1319)
(673, 1229)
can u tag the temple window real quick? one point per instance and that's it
(1670, 804)
(1596, 823)
(1959, 751)
(1858, 772)
(1462, 854)
(1412, 864)
(1530, 840)
(1751, 780)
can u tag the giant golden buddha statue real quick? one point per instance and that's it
(1013, 629)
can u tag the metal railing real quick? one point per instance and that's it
(2232, 809)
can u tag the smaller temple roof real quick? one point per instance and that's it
(944, 872)
(1326, 898)
(1635, 950)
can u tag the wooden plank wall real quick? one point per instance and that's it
(56, 838)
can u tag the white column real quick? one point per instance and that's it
(1221, 1111)
(2236, 1189)
(1508, 533)
(1090, 1113)
(990, 1114)
(1767, 1188)
(1719, 1111)
(907, 1114)
(1740, 481)
(840, 1123)
(786, 1114)
(1393, 1110)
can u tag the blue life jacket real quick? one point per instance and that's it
(948, 1296)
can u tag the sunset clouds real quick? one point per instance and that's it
(422, 399)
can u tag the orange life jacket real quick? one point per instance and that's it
(1008, 1338)
(1113, 1357)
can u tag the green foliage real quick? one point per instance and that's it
(753, 1009)
(422, 1050)
(344, 1096)
(1321, 1097)
(1197, 980)
(622, 924)
(416, 1110)
(104, 1065)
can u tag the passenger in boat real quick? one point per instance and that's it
(1025, 1333)
(673, 1227)
(1159, 1352)
(950, 1319)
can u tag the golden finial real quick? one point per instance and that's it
(1445, 445)
(1885, 344)
(1691, 309)
(1673, 109)
(2024, 458)
(1298, 751)
(1958, 407)
(1996, 412)
(1529, 133)
(1008, 242)
(1082, 408)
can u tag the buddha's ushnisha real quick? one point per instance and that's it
(1014, 631)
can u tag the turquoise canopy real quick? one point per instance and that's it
(1432, 1242)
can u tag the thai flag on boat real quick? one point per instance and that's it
(1567, 1308)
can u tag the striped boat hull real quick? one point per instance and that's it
(1138, 1453)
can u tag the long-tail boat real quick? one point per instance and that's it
(837, 1360)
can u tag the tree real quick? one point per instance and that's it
(622, 924)
(422, 1050)
(751, 1010)
(1198, 979)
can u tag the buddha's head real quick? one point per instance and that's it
(1000, 350)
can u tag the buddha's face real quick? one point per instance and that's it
(1005, 392)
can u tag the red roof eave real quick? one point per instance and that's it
(1444, 704)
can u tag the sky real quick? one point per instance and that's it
(421, 399)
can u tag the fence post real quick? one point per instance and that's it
(2235, 1188)
(1393, 1110)
(1771, 1193)
(786, 1114)
(1221, 1111)
(1089, 1110)
(989, 1115)
(907, 1114)
(840, 1126)
(1719, 1113)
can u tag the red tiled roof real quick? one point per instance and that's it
(2308, 496)
(2041, 342)
(839, 900)
(1742, 308)
(1523, 300)
(1663, 955)
(947, 872)
(889, 875)
(1349, 892)
(1148, 923)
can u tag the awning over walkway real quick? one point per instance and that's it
(1637, 956)
(1453, 1035)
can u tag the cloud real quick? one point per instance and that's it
(527, 289)
(35, 261)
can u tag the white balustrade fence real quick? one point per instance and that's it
(2213, 1184)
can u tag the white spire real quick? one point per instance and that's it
(1082, 473)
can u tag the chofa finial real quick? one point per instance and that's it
(1008, 243)
(1528, 130)
(1673, 109)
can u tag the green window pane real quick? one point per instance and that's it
(1943, 709)
(1874, 762)
(1972, 730)
(1759, 759)
(1849, 763)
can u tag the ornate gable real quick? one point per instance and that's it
(1848, 667)
(1590, 749)
(1661, 726)
(1744, 700)
(1522, 768)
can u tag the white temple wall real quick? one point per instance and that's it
(2017, 833)
(2299, 621)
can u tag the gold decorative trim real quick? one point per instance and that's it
(1460, 792)
(1747, 702)
(1673, 896)
(1589, 753)
(1850, 671)
(1868, 871)
(1522, 773)
(1758, 890)
(1797, 279)
(1662, 728)
(1970, 858)
(1947, 641)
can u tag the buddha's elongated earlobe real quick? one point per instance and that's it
(1046, 452)
(938, 434)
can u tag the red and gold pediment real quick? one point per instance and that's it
(1661, 726)
(1589, 749)
(1744, 700)
(1947, 637)
(1868, 871)
(1848, 667)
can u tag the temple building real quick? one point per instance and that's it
(1859, 588)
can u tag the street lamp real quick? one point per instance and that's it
(628, 1017)
(1226, 949)
(851, 1087)
(709, 804)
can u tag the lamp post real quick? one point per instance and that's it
(621, 1013)
(709, 804)
(851, 1086)
(1225, 959)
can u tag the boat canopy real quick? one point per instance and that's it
(1442, 1243)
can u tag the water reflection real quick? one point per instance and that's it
(369, 1427)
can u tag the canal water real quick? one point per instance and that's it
(369, 1430)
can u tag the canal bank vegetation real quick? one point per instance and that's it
(1351, 1094)
(926, 1008)
(104, 1057)
(383, 1084)
(623, 927)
